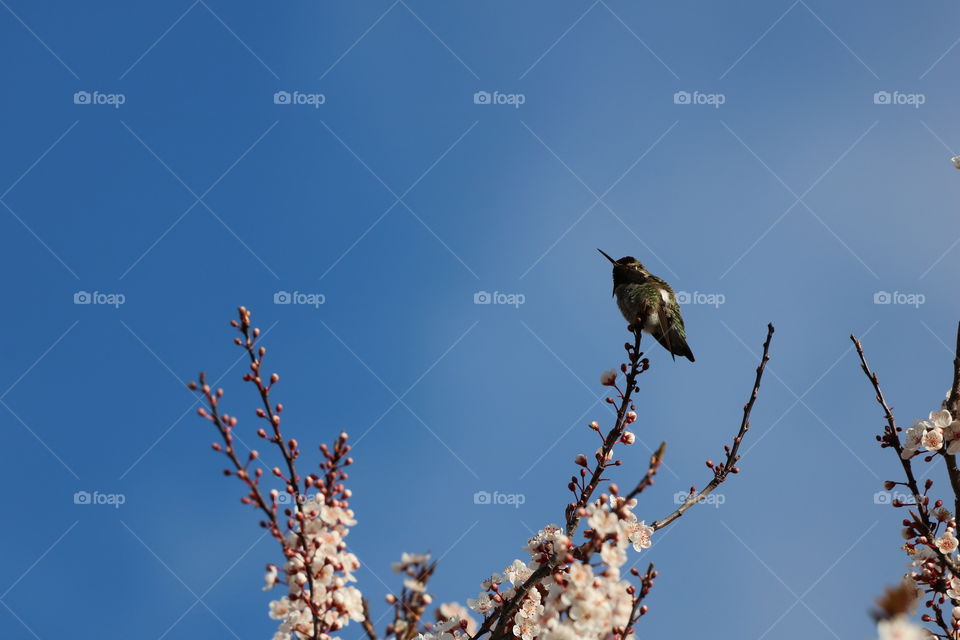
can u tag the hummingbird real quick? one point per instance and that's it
(645, 297)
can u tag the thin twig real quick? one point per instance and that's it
(729, 466)
(656, 459)
(367, 625)
(891, 438)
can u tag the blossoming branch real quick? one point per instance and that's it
(569, 588)
(929, 528)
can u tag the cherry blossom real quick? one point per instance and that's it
(900, 628)
(947, 543)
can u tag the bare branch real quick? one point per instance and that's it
(721, 471)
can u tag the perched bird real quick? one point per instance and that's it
(640, 294)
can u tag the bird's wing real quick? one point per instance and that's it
(665, 333)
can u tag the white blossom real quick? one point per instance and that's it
(947, 543)
(331, 567)
(912, 439)
(900, 628)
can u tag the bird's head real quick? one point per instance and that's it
(627, 263)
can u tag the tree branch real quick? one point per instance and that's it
(891, 438)
(721, 471)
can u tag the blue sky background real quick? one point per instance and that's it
(398, 199)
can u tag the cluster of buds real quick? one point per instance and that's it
(590, 474)
(563, 591)
(309, 516)
(929, 530)
(413, 600)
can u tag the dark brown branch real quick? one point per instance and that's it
(289, 451)
(504, 613)
(953, 402)
(722, 470)
(891, 438)
(656, 459)
(224, 425)
(637, 366)
(367, 624)
(502, 616)
(638, 610)
(953, 406)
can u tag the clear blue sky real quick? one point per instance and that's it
(397, 199)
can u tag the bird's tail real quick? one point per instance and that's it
(676, 344)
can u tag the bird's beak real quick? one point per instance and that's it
(606, 256)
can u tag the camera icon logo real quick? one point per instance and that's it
(882, 297)
(281, 97)
(81, 497)
(81, 97)
(881, 97)
(681, 97)
(482, 497)
(482, 297)
(482, 97)
(82, 297)
(683, 297)
(881, 497)
(282, 297)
